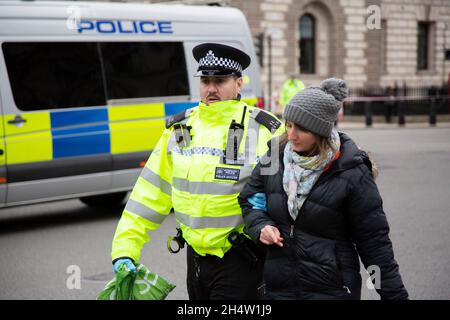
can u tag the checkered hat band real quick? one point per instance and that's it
(220, 62)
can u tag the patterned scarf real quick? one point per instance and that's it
(301, 173)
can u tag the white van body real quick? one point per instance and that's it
(85, 88)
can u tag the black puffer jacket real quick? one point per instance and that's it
(342, 217)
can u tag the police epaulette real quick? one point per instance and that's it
(178, 117)
(267, 120)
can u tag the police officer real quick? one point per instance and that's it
(200, 164)
(290, 87)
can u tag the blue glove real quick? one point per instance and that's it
(128, 264)
(258, 201)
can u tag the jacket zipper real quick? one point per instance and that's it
(291, 235)
(292, 226)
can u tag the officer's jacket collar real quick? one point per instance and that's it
(222, 111)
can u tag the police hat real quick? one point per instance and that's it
(218, 60)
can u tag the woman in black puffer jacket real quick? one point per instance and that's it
(320, 211)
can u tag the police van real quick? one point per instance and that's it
(85, 89)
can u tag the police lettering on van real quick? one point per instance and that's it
(123, 26)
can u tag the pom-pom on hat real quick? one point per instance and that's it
(316, 108)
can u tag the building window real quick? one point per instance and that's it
(307, 44)
(423, 48)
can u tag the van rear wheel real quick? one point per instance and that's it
(105, 200)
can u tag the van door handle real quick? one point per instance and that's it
(17, 120)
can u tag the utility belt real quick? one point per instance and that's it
(240, 243)
(247, 248)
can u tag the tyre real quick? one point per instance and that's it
(105, 200)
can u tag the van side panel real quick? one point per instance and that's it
(57, 188)
(3, 173)
(138, 127)
(133, 127)
(57, 151)
(30, 141)
(80, 132)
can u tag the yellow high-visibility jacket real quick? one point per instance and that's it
(289, 89)
(193, 180)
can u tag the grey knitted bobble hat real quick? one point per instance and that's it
(316, 108)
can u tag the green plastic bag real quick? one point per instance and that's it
(142, 285)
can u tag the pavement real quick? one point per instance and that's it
(61, 250)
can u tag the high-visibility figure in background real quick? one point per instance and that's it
(290, 87)
(201, 163)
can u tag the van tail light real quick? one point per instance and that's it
(260, 103)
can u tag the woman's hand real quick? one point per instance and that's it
(271, 235)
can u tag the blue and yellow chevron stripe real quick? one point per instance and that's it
(60, 134)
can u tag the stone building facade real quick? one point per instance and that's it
(369, 43)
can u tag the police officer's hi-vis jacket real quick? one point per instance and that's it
(192, 171)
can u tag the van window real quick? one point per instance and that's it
(144, 69)
(48, 75)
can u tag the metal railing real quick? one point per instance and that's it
(399, 102)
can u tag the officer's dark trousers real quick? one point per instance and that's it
(233, 277)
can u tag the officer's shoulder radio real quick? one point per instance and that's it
(236, 133)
